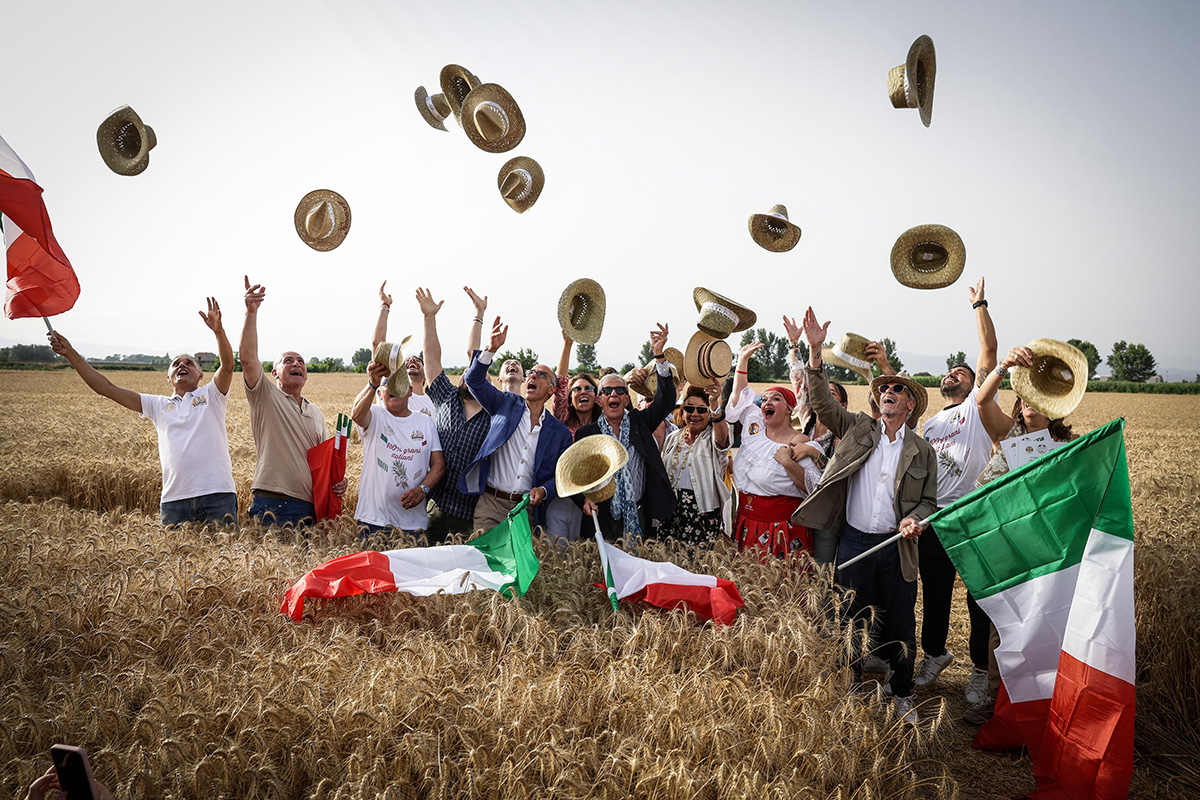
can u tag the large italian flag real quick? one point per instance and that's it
(501, 560)
(1047, 550)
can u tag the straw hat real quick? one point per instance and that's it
(125, 142)
(910, 85)
(492, 119)
(588, 466)
(707, 360)
(434, 110)
(457, 82)
(323, 219)
(648, 387)
(917, 390)
(393, 357)
(1056, 382)
(720, 316)
(928, 257)
(581, 311)
(773, 231)
(521, 180)
(850, 353)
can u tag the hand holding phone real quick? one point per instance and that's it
(75, 774)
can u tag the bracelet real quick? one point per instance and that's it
(979, 303)
(385, 307)
(477, 319)
(741, 372)
(794, 345)
(1001, 370)
(374, 387)
(660, 356)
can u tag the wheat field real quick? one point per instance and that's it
(164, 654)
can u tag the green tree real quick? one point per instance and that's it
(527, 357)
(771, 362)
(647, 354)
(625, 369)
(1131, 362)
(958, 359)
(586, 353)
(360, 359)
(29, 353)
(1090, 352)
(840, 374)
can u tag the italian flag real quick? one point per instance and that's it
(501, 560)
(40, 280)
(1047, 550)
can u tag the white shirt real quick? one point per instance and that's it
(963, 448)
(755, 470)
(871, 495)
(422, 404)
(193, 446)
(396, 454)
(513, 463)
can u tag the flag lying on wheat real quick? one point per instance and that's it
(327, 463)
(41, 282)
(1047, 551)
(501, 560)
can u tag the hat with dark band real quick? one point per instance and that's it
(707, 360)
(434, 109)
(1054, 386)
(125, 142)
(773, 231)
(910, 85)
(520, 181)
(928, 257)
(588, 466)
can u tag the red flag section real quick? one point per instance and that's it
(718, 603)
(41, 282)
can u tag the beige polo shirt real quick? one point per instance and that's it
(284, 430)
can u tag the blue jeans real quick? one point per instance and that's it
(366, 530)
(220, 507)
(878, 581)
(283, 511)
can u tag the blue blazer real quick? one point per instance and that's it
(506, 410)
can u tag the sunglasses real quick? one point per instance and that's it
(695, 409)
(617, 390)
(586, 387)
(894, 388)
(542, 374)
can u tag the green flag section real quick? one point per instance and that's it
(1047, 550)
(502, 560)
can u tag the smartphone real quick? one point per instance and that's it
(74, 771)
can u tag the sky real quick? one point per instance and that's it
(1062, 150)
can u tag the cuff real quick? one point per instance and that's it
(663, 367)
(485, 357)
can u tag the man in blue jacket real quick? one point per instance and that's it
(523, 443)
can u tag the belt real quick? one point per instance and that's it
(879, 536)
(273, 495)
(512, 497)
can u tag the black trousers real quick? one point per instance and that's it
(937, 591)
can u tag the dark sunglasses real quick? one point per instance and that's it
(618, 390)
(542, 375)
(583, 387)
(695, 409)
(894, 388)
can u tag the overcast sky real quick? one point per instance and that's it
(1062, 150)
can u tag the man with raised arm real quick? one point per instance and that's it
(285, 427)
(523, 443)
(193, 446)
(415, 367)
(462, 424)
(881, 480)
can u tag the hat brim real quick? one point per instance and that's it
(341, 219)
(397, 381)
(921, 67)
(746, 318)
(944, 275)
(593, 322)
(588, 464)
(421, 97)
(829, 357)
(1031, 384)
(106, 141)
(493, 93)
(537, 179)
(768, 240)
(919, 393)
(691, 360)
(650, 386)
(453, 79)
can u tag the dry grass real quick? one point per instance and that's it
(164, 654)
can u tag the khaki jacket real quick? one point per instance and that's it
(916, 474)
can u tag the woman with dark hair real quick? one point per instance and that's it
(696, 456)
(578, 408)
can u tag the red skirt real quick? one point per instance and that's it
(766, 523)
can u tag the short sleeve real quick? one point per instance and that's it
(149, 407)
(435, 441)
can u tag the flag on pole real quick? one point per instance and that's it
(501, 560)
(40, 282)
(1047, 551)
(327, 462)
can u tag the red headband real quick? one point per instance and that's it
(788, 394)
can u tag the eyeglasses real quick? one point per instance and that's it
(617, 390)
(541, 373)
(894, 388)
(695, 409)
(583, 387)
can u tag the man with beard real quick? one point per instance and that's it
(285, 427)
(963, 449)
(881, 479)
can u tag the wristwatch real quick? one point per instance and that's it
(424, 488)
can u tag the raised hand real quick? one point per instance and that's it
(59, 343)
(480, 302)
(1019, 355)
(254, 295)
(814, 331)
(747, 351)
(792, 330)
(658, 339)
(976, 292)
(213, 318)
(384, 297)
(376, 372)
(499, 336)
(426, 302)
(714, 397)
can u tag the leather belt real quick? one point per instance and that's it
(273, 495)
(512, 497)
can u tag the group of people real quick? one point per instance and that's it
(809, 474)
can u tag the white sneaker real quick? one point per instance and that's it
(932, 666)
(905, 711)
(976, 686)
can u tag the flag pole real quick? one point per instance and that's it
(608, 582)
(923, 523)
(49, 327)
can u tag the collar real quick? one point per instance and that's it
(901, 434)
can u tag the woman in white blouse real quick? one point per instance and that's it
(773, 468)
(696, 456)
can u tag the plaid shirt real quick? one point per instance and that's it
(461, 440)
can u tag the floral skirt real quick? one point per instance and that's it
(691, 525)
(765, 523)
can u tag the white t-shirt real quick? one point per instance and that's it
(193, 446)
(422, 404)
(962, 445)
(395, 459)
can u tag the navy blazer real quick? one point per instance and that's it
(506, 410)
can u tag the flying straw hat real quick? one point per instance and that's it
(773, 231)
(720, 316)
(928, 257)
(707, 360)
(125, 142)
(457, 82)
(434, 109)
(521, 180)
(581, 311)
(917, 390)
(648, 387)
(849, 353)
(393, 357)
(1055, 384)
(588, 466)
(492, 119)
(322, 219)
(910, 85)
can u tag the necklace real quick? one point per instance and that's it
(681, 459)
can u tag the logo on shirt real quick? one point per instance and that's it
(400, 471)
(418, 435)
(170, 406)
(754, 428)
(427, 413)
(199, 400)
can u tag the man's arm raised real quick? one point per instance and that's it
(360, 412)
(431, 347)
(98, 383)
(987, 333)
(475, 336)
(252, 369)
(223, 377)
(385, 305)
